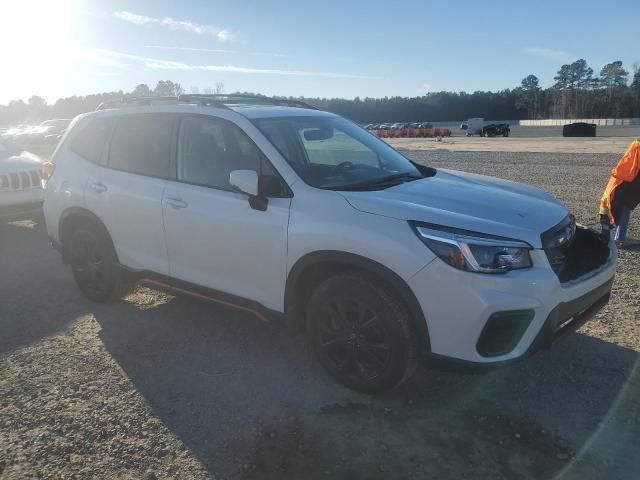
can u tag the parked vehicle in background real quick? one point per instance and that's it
(298, 214)
(579, 129)
(479, 126)
(425, 125)
(56, 126)
(495, 130)
(41, 138)
(21, 183)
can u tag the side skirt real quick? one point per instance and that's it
(173, 285)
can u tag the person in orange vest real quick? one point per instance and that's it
(622, 193)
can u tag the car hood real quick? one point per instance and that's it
(467, 201)
(11, 162)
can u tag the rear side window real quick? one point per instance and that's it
(142, 145)
(89, 142)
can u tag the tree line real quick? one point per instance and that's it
(577, 93)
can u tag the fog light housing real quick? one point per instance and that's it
(503, 331)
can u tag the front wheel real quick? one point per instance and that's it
(361, 334)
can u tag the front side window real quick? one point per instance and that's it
(142, 145)
(333, 153)
(209, 149)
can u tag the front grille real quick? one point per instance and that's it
(574, 251)
(20, 180)
(25, 180)
(14, 181)
(35, 178)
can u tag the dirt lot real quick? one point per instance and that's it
(163, 387)
(606, 145)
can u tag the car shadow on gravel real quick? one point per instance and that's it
(37, 296)
(250, 401)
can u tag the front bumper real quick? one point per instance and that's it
(20, 211)
(457, 306)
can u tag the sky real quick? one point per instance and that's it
(325, 48)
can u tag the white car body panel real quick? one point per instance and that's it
(469, 202)
(335, 226)
(131, 209)
(66, 191)
(217, 240)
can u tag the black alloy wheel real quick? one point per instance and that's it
(361, 333)
(353, 339)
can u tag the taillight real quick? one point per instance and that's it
(47, 170)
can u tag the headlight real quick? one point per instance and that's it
(474, 252)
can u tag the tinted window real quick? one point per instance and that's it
(90, 140)
(334, 153)
(142, 145)
(210, 149)
(336, 148)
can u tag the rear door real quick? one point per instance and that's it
(214, 237)
(126, 192)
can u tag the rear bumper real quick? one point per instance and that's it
(566, 317)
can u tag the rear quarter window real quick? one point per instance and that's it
(90, 140)
(142, 145)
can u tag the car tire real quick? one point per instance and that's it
(361, 334)
(94, 265)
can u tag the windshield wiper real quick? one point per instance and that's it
(387, 181)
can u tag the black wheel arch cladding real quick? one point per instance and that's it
(76, 216)
(323, 264)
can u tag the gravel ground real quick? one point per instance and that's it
(164, 387)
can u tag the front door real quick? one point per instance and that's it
(213, 235)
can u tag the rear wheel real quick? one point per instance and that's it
(361, 334)
(94, 265)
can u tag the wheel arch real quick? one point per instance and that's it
(313, 268)
(74, 216)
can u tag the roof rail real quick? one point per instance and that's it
(235, 98)
(219, 100)
(135, 101)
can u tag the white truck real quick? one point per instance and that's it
(484, 128)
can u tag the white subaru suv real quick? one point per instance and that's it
(293, 213)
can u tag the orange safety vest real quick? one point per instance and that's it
(625, 171)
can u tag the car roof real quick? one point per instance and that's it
(246, 110)
(267, 111)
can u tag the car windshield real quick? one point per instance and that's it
(334, 153)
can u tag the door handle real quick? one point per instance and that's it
(98, 187)
(176, 202)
